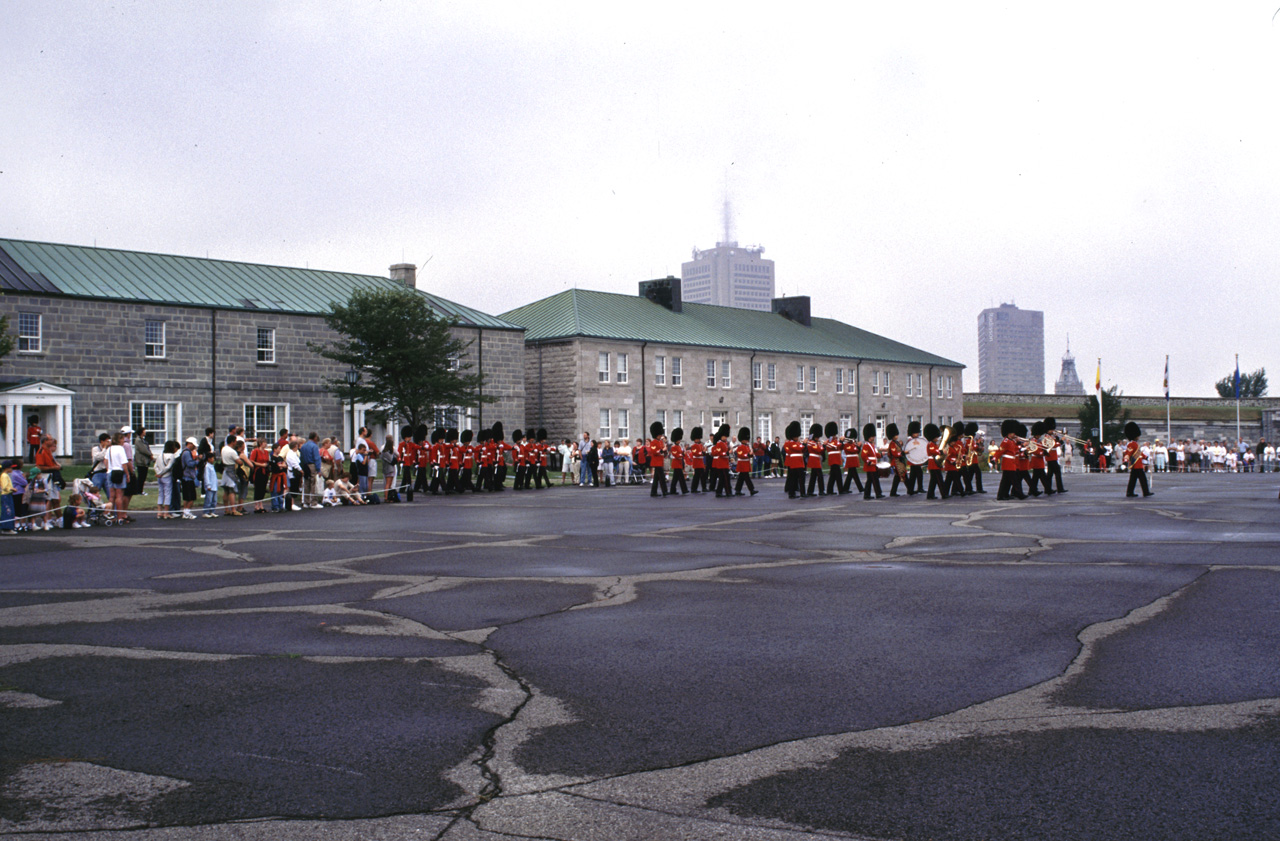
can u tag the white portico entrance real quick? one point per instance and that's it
(50, 404)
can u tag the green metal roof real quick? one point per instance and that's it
(608, 315)
(108, 273)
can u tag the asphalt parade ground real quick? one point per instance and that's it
(595, 664)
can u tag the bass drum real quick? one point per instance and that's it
(883, 469)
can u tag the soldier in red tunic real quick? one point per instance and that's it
(743, 455)
(870, 462)
(544, 457)
(834, 448)
(678, 483)
(1010, 450)
(467, 461)
(501, 448)
(695, 456)
(1136, 459)
(720, 455)
(953, 459)
(793, 453)
(852, 460)
(934, 463)
(813, 450)
(657, 455)
(1037, 447)
(1051, 456)
(897, 463)
(407, 453)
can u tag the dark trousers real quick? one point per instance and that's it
(678, 481)
(484, 482)
(422, 481)
(1138, 475)
(1010, 487)
(815, 481)
(795, 481)
(1040, 477)
(955, 484)
(835, 480)
(722, 482)
(500, 477)
(851, 477)
(872, 480)
(893, 486)
(744, 478)
(699, 479)
(659, 480)
(1055, 473)
(936, 485)
(977, 477)
(915, 479)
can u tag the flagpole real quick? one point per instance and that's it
(1237, 400)
(1097, 384)
(1168, 425)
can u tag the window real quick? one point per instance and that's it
(153, 342)
(677, 418)
(624, 430)
(875, 382)
(163, 421)
(606, 427)
(661, 417)
(717, 420)
(806, 421)
(725, 380)
(450, 417)
(886, 383)
(846, 423)
(939, 385)
(813, 378)
(711, 373)
(455, 362)
(881, 422)
(764, 426)
(659, 370)
(839, 381)
(266, 347)
(772, 382)
(602, 374)
(622, 368)
(757, 375)
(949, 382)
(853, 382)
(799, 378)
(265, 420)
(675, 372)
(28, 332)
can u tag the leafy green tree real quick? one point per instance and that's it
(409, 359)
(1251, 385)
(6, 338)
(1114, 416)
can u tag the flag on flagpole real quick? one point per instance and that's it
(1097, 383)
(1237, 377)
(1166, 376)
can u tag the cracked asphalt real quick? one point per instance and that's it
(577, 664)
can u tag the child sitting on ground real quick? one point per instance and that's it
(330, 495)
(73, 515)
(347, 493)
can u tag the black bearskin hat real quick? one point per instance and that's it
(482, 436)
(420, 433)
(497, 431)
(677, 434)
(744, 434)
(793, 430)
(913, 428)
(1050, 424)
(406, 433)
(542, 434)
(451, 435)
(891, 431)
(815, 430)
(655, 429)
(1037, 429)
(957, 429)
(868, 431)
(437, 435)
(1022, 430)
(971, 428)
(724, 431)
(695, 434)
(1132, 431)
(849, 433)
(466, 436)
(517, 436)
(931, 432)
(1008, 426)
(832, 429)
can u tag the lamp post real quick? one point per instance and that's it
(353, 377)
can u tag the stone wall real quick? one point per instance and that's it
(210, 369)
(564, 391)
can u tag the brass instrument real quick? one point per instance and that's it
(942, 445)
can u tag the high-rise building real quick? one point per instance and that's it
(1068, 381)
(1010, 351)
(728, 275)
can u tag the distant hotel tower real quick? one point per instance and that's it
(1068, 381)
(728, 275)
(1010, 351)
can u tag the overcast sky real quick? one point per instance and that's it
(906, 165)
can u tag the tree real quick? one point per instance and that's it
(6, 338)
(1251, 385)
(409, 359)
(1114, 416)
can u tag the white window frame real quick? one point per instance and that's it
(142, 413)
(602, 367)
(726, 374)
(875, 383)
(606, 423)
(153, 349)
(852, 387)
(659, 370)
(813, 378)
(806, 421)
(846, 423)
(839, 381)
(939, 385)
(950, 381)
(677, 372)
(799, 378)
(771, 381)
(764, 426)
(757, 376)
(621, 369)
(267, 352)
(677, 418)
(887, 383)
(661, 417)
(711, 373)
(30, 341)
(624, 424)
(718, 419)
(251, 428)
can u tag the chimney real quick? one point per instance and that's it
(795, 308)
(664, 291)
(406, 273)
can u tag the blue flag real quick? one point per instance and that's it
(1237, 379)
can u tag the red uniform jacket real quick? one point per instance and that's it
(869, 457)
(720, 455)
(835, 452)
(743, 451)
(793, 454)
(677, 457)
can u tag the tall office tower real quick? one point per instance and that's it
(728, 275)
(1068, 381)
(1010, 351)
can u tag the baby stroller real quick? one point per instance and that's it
(96, 511)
